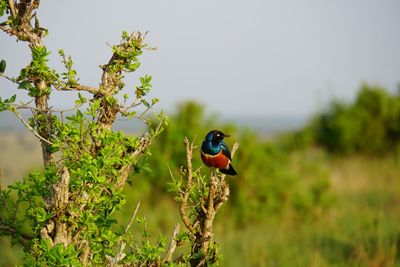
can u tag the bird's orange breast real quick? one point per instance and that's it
(219, 160)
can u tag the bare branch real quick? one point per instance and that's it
(13, 80)
(172, 245)
(132, 218)
(184, 202)
(26, 106)
(135, 103)
(78, 87)
(120, 255)
(206, 207)
(61, 85)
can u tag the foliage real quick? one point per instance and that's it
(62, 215)
(369, 125)
(70, 204)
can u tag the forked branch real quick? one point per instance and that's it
(203, 208)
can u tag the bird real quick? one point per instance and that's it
(216, 154)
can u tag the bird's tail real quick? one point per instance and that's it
(230, 170)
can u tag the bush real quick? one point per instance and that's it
(369, 125)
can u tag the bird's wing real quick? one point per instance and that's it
(226, 151)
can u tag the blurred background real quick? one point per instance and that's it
(309, 89)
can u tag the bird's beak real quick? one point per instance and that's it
(226, 135)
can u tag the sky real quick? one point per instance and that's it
(254, 57)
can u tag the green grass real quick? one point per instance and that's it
(360, 228)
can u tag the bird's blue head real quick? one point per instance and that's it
(216, 136)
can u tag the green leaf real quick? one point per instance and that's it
(147, 78)
(3, 7)
(34, 92)
(125, 35)
(72, 118)
(25, 85)
(101, 179)
(12, 99)
(8, 100)
(41, 215)
(133, 66)
(81, 100)
(32, 122)
(2, 65)
(144, 102)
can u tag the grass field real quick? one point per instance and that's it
(360, 228)
(360, 225)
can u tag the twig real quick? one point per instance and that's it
(9, 78)
(31, 129)
(26, 106)
(172, 245)
(183, 206)
(120, 255)
(144, 112)
(173, 178)
(201, 263)
(62, 86)
(79, 87)
(234, 148)
(211, 193)
(132, 218)
(135, 103)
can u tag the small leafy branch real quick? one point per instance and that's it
(200, 199)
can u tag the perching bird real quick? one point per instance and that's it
(215, 153)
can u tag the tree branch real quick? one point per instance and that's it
(132, 218)
(172, 245)
(206, 208)
(120, 255)
(78, 87)
(12, 8)
(25, 238)
(144, 142)
(31, 129)
(184, 201)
